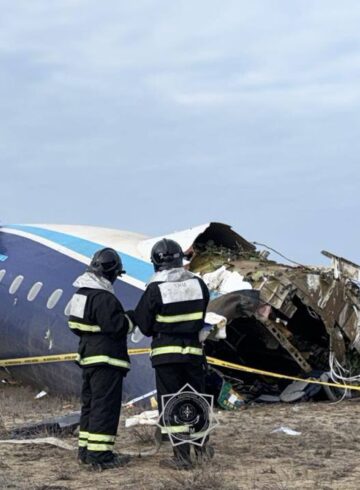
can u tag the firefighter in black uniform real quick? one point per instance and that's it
(172, 311)
(98, 318)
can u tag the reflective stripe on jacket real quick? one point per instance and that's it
(172, 312)
(98, 318)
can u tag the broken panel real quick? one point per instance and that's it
(280, 318)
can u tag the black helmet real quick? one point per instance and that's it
(166, 254)
(107, 263)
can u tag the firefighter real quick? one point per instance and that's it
(98, 318)
(172, 311)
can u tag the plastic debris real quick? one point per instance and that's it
(286, 430)
(229, 399)
(149, 417)
(299, 390)
(40, 395)
(153, 403)
(219, 323)
(44, 440)
(137, 335)
(293, 392)
(139, 398)
(215, 327)
(225, 281)
(205, 332)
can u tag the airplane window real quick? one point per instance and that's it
(16, 284)
(34, 291)
(67, 309)
(2, 274)
(54, 298)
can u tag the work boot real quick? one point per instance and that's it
(204, 454)
(117, 461)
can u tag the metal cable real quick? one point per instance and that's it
(280, 254)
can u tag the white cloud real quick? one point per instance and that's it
(231, 98)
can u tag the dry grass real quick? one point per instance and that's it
(6, 483)
(144, 434)
(248, 455)
(50, 487)
(203, 478)
(19, 406)
(3, 431)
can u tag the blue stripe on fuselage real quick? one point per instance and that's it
(134, 267)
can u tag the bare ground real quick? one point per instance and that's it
(248, 456)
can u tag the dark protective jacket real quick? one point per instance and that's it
(172, 311)
(98, 318)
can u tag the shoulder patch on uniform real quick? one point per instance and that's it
(77, 306)
(175, 292)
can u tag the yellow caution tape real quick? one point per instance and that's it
(134, 352)
(239, 367)
(25, 361)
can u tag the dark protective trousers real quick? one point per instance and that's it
(170, 378)
(100, 412)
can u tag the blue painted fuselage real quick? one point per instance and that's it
(30, 328)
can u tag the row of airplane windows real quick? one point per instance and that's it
(35, 290)
(52, 300)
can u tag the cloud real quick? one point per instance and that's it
(180, 112)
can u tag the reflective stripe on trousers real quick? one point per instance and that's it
(100, 442)
(83, 438)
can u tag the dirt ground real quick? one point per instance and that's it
(248, 455)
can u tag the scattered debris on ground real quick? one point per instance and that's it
(249, 454)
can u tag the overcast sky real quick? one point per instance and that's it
(157, 115)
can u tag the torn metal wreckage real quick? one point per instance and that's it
(296, 320)
(299, 321)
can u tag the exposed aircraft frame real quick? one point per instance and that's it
(283, 318)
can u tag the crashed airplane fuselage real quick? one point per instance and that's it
(291, 320)
(299, 320)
